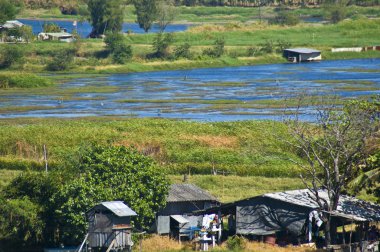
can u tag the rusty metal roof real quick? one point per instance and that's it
(188, 192)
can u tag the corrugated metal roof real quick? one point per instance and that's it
(348, 207)
(188, 192)
(118, 208)
(12, 24)
(180, 219)
(302, 50)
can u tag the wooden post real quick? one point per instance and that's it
(45, 159)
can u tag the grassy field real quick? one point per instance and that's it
(239, 148)
(243, 46)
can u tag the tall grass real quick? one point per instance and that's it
(163, 243)
(23, 80)
(239, 148)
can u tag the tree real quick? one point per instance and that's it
(110, 173)
(10, 55)
(218, 49)
(336, 10)
(51, 27)
(7, 11)
(105, 16)
(20, 224)
(161, 43)
(62, 60)
(28, 199)
(146, 12)
(166, 13)
(333, 147)
(117, 46)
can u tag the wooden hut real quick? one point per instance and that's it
(182, 200)
(294, 215)
(109, 225)
(302, 54)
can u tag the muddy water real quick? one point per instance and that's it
(217, 94)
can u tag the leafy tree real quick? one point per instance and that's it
(51, 27)
(182, 51)
(10, 55)
(117, 46)
(161, 44)
(334, 147)
(20, 224)
(146, 12)
(286, 17)
(8, 11)
(336, 10)
(105, 16)
(62, 60)
(166, 13)
(110, 173)
(218, 49)
(36, 190)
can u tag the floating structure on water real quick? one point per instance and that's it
(302, 54)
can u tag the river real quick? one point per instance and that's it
(209, 94)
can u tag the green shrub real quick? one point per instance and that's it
(51, 27)
(252, 51)
(161, 43)
(117, 47)
(62, 60)
(23, 80)
(285, 17)
(183, 51)
(235, 243)
(217, 50)
(268, 47)
(10, 55)
(282, 44)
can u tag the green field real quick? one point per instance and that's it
(244, 45)
(238, 148)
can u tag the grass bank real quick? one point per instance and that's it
(245, 44)
(237, 148)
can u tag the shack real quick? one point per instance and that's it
(302, 54)
(294, 215)
(177, 215)
(56, 36)
(110, 226)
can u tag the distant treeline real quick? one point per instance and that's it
(256, 3)
(73, 4)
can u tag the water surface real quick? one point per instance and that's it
(210, 94)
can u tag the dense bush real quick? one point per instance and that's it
(285, 17)
(62, 60)
(51, 27)
(182, 51)
(236, 243)
(217, 50)
(10, 55)
(23, 80)
(118, 48)
(161, 43)
(268, 47)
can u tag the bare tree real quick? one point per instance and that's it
(166, 13)
(333, 147)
